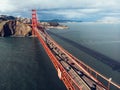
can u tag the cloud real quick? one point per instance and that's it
(110, 20)
(69, 9)
(48, 4)
(71, 13)
(5, 6)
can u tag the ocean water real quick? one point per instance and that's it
(97, 45)
(24, 65)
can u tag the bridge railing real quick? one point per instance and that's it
(94, 73)
(68, 81)
(52, 41)
(87, 69)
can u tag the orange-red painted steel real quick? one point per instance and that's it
(65, 77)
(34, 21)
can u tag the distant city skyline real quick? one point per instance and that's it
(85, 10)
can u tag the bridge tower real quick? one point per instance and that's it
(34, 21)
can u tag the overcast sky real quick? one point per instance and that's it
(86, 10)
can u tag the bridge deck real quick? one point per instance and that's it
(75, 76)
(79, 77)
(75, 72)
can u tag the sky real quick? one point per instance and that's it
(85, 10)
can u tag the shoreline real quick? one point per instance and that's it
(56, 27)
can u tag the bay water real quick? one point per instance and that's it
(24, 65)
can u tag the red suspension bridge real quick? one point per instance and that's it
(75, 74)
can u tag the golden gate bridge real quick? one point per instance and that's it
(75, 74)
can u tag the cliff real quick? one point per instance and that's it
(14, 28)
(18, 27)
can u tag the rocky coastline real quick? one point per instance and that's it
(14, 26)
(21, 27)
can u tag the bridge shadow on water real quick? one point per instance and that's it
(106, 60)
